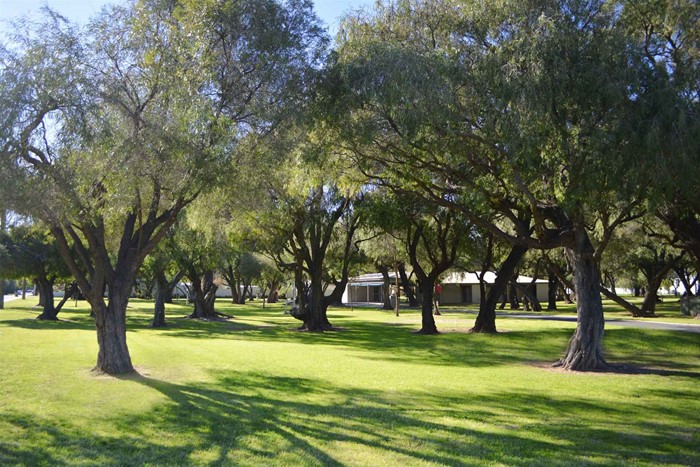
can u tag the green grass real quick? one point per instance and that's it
(252, 391)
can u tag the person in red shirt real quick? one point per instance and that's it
(436, 299)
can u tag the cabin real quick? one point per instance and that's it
(463, 287)
(458, 288)
(367, 289)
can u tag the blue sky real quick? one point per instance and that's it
(80, 10)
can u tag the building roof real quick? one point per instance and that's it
(454, 277)
(458, 277)
(371, 279)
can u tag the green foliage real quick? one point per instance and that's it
(30, 252)
(669, 44)
(492, 107)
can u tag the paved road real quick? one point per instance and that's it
(615, 321)
(9, 298)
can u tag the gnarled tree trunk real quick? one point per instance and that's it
(585, 350)
(45, 287)
(110, 320)
(407, 286)
(486, 319)
(513, 293)
(428, 325)
(315, 315)
(631, 307)
(651, 296)
(552, 285)
(158, 311)
(204, 296)
(386, 289)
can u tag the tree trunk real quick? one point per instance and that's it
(168, 294)
(585, 350)
(428, 325)
(529, 294)
(48, 312)
(273, 296)
(168, 291)
(3, 226)
(682, 275)
(315, 317)
(235, 293)
(486, 319)
(241, 295)
(568, 298)
(407, 286)
(631, 307)
(386, 289)
(655, 276)
(204, 296)
(162, 288)
(513, 293)
(70, 291)
(651, 296)
(110, 321)
(159, 311)
(552, 285)
(397, 295)
(37, 287)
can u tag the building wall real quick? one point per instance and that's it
(451, 294)
(361, 293)
(476, 293)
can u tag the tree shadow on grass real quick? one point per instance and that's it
(255, 418)
(375, 340)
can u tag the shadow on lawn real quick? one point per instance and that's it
(256, 419)
(394, 342)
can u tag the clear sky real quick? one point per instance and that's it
(329, 11)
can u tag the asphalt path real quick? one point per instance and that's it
(614, 321)
(9, 298)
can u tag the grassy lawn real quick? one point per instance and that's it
(252, 391)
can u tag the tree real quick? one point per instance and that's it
(385, 253)
(4, 254)
(270, 279)
(504, 111)
(432, 237)
(322, 220)
(196, 255)
(156, 89)
(32, 253)
(668, 116)
(166, 274)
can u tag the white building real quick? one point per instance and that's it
(463, 287)
(457, 288)
(367, 288)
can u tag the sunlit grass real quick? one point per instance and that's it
(253, 391)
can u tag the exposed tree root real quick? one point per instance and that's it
(580, 361)
(218, 317)
(426, 332)
(482, 330)
(44, 317)
(321, 328)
